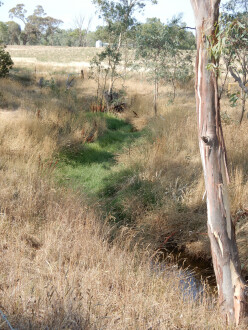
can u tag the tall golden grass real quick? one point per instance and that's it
(172, 163)
(58, 269)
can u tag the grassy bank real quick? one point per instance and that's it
(126, 185)
(151, 180)
(58, 271)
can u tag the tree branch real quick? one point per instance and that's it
(187, 27)
(227, 62)
(238, 79)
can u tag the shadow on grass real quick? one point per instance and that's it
(58, 318)
(113, 123)
(123, 194)
(86, 155)
(23, 76)
(116, 124)
(116, 141)
(119, 135)
(127, 196)
(91, 165)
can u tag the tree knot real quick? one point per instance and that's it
(207, 140)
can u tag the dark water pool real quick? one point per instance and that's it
(192, 276)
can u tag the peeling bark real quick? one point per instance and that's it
(231, 287)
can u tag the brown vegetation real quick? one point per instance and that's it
(58, 267)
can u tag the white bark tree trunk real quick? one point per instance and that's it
(231, 287)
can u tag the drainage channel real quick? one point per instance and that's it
(194, 275)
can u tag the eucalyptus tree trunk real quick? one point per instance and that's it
(231, 287)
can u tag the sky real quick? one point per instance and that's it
(68, 10)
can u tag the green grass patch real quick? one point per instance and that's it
(123, 191)
(90, 164)
(92, 168)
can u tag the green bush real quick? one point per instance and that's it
(6, 63)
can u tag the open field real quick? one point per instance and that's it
(53, 54)
(44, 60)
(83, 222)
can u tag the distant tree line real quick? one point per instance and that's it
(163, 50)
(41, 29)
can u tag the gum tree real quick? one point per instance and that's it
(14, 31)
(37, 25)
(4, 33)
(162, 50)
(119, 15)
(231, 287)
(233, 42)
(152, 51)
(119, 18)
(154, 46)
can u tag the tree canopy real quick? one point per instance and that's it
(37, 26)
(233, 46)
(120, 26)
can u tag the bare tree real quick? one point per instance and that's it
(82, 32)
(231, 287)
(87, 31)
(79, 23)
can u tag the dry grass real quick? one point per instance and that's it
(170, 163)
(48, 61)
(172, 166)
(52, 54)
(58, 268)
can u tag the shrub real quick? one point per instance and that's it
(6, 62)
